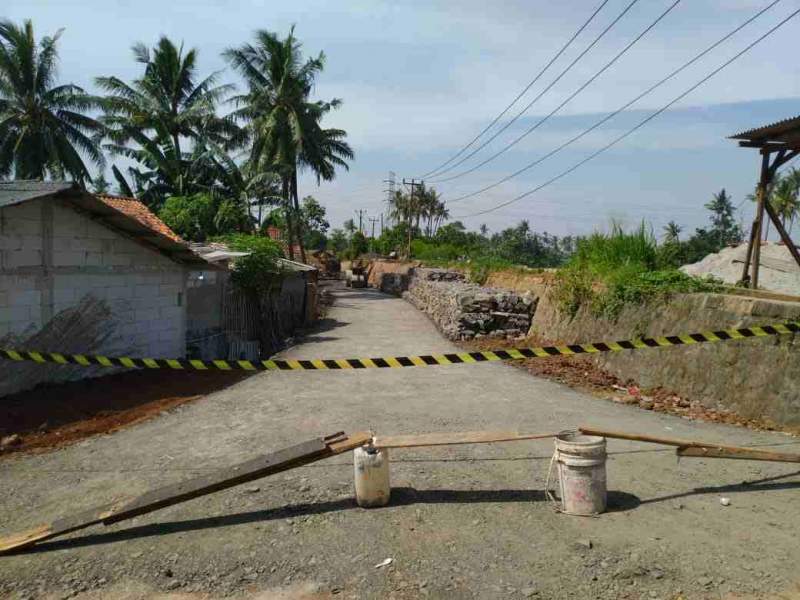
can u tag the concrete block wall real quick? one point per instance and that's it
(52, 257)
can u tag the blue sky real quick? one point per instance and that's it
(421, 78)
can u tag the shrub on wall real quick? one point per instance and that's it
(260, 270)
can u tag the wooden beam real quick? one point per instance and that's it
(455, 438)
(737, 453)
(695, 448)
(787, 240)
(269, 464)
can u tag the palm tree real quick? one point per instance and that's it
(282, 122)
(787, 197)
(672, 232)
(155, 118)
(43, 129)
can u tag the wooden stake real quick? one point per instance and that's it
(282, 460)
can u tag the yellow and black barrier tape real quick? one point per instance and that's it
(424, 360)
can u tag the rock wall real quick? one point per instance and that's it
(754, 377)
(464, 310)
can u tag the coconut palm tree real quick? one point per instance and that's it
(167, 100)
(672, 232)
(44, 131)
(282, 122)
(166, 121)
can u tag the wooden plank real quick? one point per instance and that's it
(697, 449)
(737, 453)
(454, 438)
(282, 460)
(639, 437)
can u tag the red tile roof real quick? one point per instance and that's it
(136, 209)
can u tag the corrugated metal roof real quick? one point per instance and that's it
(16, 192)
(765, 132)
(293, 265)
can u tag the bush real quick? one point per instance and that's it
(191, 217)
(260, 270)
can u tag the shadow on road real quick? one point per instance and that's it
(759, 485)
(401, 496)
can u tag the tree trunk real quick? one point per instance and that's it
(299, 220)
(287, 207)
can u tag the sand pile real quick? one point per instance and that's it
(778, 271)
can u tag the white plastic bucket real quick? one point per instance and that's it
(581, 463)
(371, 470)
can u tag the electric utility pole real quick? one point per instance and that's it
(360, 212)
(391, 182)
(413, 184)
(373, 220)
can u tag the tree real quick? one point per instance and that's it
(314, 223)
(784, 197)
(100, 185)
(282, 121)
(337, 241)
(724, 226)
(166, 122)
(350, 227)
(672, 232)
(358, 245)
(44, 131)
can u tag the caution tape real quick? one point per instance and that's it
(424, 360)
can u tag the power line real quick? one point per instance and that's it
(523, 92)
(636, 127)
(620, 109)
(569, 98)
(544, 91)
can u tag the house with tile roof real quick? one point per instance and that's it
(86, 273)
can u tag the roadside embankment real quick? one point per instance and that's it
(756, 378)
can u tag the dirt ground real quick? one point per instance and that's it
(51, 416)
(583, 374)
(463, 521)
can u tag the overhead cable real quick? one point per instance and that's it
(636, 127)
(522, 93)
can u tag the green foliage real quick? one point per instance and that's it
(358, 246)
(314, 223)
(337, 241)
(201, 216)
(191, 217)
(723, 232)
(260, 271)
(605, 253)
(612, 270)
(45, 130)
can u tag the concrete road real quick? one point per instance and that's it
(465, 521)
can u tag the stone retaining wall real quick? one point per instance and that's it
(464, 310)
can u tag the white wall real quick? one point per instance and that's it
(145, 291)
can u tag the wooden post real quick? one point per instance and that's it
(783, 233)
(758, 224)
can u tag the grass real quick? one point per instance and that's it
(612, 270)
